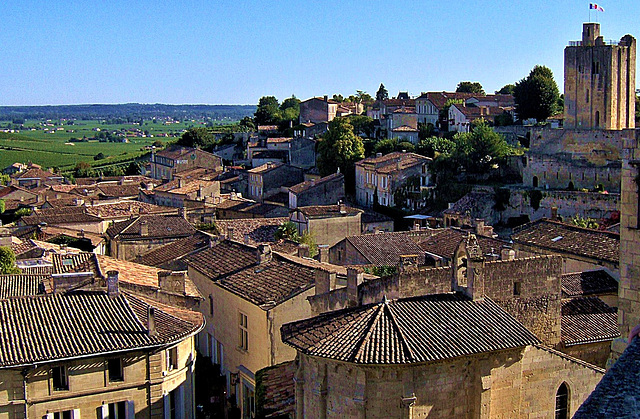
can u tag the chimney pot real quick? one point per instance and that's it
(112, 283)
(325, 281)
(554, 213)
(264, 253)
(230, 233)
(303, 250)
(151, 321)
(353, 277)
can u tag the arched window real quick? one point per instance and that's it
(535, 181)
(562, 402)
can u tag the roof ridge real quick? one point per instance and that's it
(361, 344)
(402, 338)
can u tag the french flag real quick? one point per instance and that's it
(596, 7)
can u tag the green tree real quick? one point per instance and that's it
(584, 222)
(386, 146)
(470, 87)
(7, 261)
(507, 89)
(99, 156)
(247, 124)
(287, 231)
(536, 95)
(338, 98)
(197, 137)
(382, 93)
(2, 206)
(362, 125)
(268, 111)
(133, 169)
(340, 148)
(434, 146)
(488, 148)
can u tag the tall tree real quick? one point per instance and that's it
(382, 93)
(268, 111)
(507, 89)
(290, 109)
(470, 87)
(340, 148)
(536, 95)
(197, 137)
(7, 261)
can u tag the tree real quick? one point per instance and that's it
(386, 146)
(537, 95)
(340, 148)
(433, 146)
(488, 148)
(268, 111)
(338, 98)
(133, 169)
(382, 93)
(287, 231)
(197, 137)
(362, 125)
(584, 222)
(2, 206)
(7, 261)
(507, 89)
(470, 87)
(99, 156)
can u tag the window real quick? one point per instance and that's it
(172, 358)
(118, 410)
(517, 288)
(114, 367)
(243, 332)
(248, 401)
(562, 402)
(60, 378)
(211, 305)
(66, 414)
(173, 403)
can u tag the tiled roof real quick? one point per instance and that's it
(159, 226)
(266, 167)
(258, 230)
(125, 208)
(60, 326)
(588, 320)
(174, 152)
(140, 275)
(77, 262)
(617, 395)
(588, 283)
(22, 285)
(175, 250)
(279, 140)
(404, 128)
(439, 99)
(188, 186)
(37, 270)
(119, 190)
(61, 219)
(223, 258)
(252, 207)
(559, 237)
(445, 242)
(419, 329)
(278, 398)
(35, 174)
(328, 211)
(385, 249)
(471, 204)
(393, 162)
(274, 281)
(370, 216)
(304, 186)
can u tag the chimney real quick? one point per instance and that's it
(480, 226)
(326, 98)
(230, 232)
(112, 283)
(182, 212)
(325, 281)
(506, 253)
(554, 213)
(151, 321)
(264, 253)
(173, 282)
(323, 253)
(247, 238)
(303, 250)
(144, 228)
(342, 208)
(81, 233)
(353, 277)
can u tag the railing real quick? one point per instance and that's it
(604, 42)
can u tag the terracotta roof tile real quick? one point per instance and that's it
(328, 211)
(278, 399)
(175, 250)
(588, 320)
(445, 242)
(22, 285)
(559, 237)
(588, 283)
(223, 258)
(258, 230)
(309, 184)
(385, 249)
(419, 329)
(159, 226)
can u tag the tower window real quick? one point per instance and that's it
(562, 402)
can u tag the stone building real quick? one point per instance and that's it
(89, 346)
(318, 109)
(166, 163)
(599, 81)
(327, 224)
(371, 348)
(382, 176)
(267, 179)
(317, 191)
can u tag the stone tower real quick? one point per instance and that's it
(599, 81)
(629, 286)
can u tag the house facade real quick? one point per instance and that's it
(166, 163)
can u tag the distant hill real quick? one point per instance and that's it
(127, 111)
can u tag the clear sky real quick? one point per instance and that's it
(234, 52)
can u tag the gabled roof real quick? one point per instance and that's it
(310, 184)
(257, 230)
(326, 211)
(585, 283)
(119, 190)
(61, 326)
(159, 226)
(266, 167)
(393, 162)
(36, 173)
(223, 258)
(588, 320)
(175, 250)
(419, 329)
(560, 237)
(385, 249)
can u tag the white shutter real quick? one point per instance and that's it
(49, 416)
(131, 410)
(103, 411)
(75, 414)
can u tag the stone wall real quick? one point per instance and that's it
(520, 382)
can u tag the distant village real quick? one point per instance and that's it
(269, 277)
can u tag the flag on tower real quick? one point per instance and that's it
(596, 7)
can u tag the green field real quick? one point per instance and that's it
(44, 143)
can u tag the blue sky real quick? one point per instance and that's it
(234, 52)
